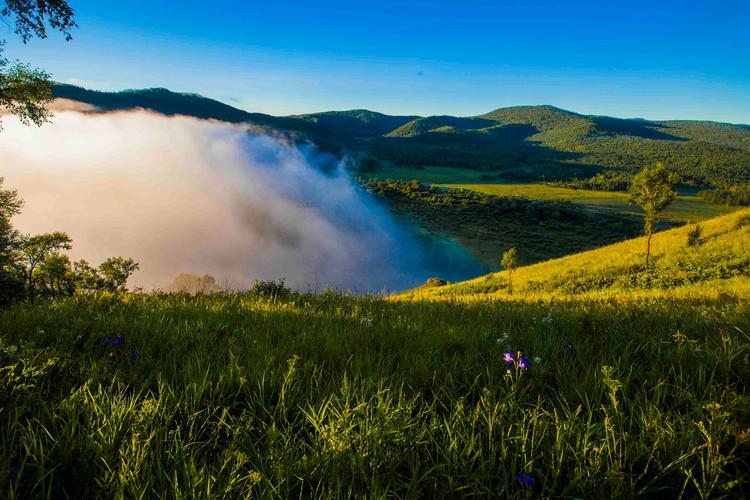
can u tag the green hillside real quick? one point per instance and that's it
(721, 253)
(522, 143)
(590, 381)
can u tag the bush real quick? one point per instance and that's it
(435, 282)
(694, 236)
(271, 288)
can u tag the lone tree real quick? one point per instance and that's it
(509, 262)
(652, 189)
(25, 91)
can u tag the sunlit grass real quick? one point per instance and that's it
(685, 208)
(631, 392)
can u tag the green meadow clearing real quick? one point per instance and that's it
(687, 207)
(632, 388)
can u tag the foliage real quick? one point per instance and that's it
(34, 265)
(694, 235)
(271, 289)
(33, 251)
(115, 272)
(11, 286)
(25, 91)
(509, 262)
(31, 17)
(607, 181)
(652, 190)
(728, 194)
(482, 222)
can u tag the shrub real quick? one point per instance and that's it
(271, 288)
(694, 236)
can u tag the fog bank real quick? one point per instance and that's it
(185, 195)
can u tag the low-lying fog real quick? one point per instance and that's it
(185, 195)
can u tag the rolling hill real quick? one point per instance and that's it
(525, 142)
(719, 256)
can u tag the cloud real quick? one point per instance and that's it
(185, 195)
(60, 104)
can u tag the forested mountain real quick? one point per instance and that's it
(526, 142)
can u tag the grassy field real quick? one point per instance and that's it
(613, 392)
(685, 208)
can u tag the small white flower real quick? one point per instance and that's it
(503, 338)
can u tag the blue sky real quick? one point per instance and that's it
(657, 59)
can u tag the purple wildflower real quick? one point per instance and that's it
(569, 348)
(116, 341)
(14, 469)
(524, 363)
(133, 355)
(6, 360)
(525, 480)
(508, 358)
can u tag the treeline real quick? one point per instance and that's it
(728, 194)
(606, 181)
(34, 266)
(473, 201)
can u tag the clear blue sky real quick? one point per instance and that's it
(655, 59)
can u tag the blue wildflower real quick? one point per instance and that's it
(14, 469)
(524, 363)
(508, 358)
(569, 348)
(525, 480)
(116, 341)
(5, 360)
(133, 355)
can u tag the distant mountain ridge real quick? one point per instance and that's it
(523, 142)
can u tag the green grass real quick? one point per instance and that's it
(685, 208)
(333, 396)
(638, 388)
(632, 392)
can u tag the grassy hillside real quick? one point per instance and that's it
(522, 143)
(721, 253)
(623, 390)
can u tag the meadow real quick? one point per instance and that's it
(626, 392)
(687, 207)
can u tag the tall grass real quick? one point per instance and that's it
(328, 395)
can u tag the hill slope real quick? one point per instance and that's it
(606, 394)
(525, 142)
(720, 254)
